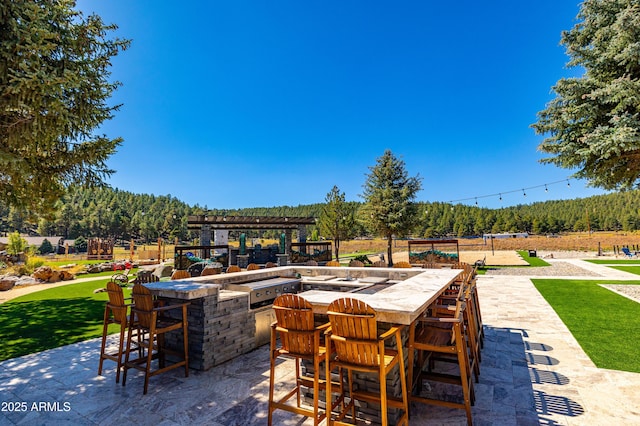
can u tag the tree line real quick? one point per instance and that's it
(107, 212)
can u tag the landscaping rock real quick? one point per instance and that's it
(66, 275)
(43, 273)
(162, 271)
(7, 282)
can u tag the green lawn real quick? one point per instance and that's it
(51, 318)
(605, 324)
(630, 269)
(533, 261)
(614, 261)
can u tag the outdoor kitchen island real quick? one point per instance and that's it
(230, 314)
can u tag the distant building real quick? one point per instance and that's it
(505, 235)
(59, 243)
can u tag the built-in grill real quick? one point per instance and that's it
(263, 292)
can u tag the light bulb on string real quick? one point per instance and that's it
(500, 197)
(568, 184)
(476, 201)
(545, 188)
(524, 194)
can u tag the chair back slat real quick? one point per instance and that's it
(116, 302)
(143, 305)
(354, 331)
(294, 316)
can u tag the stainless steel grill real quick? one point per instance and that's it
(263, 292)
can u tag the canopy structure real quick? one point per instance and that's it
(248, 222)
(220, 225)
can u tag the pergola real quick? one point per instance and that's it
(220, 225)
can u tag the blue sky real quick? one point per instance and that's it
(231, 104)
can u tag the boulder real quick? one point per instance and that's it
(66, 275)
(43, 273)
(7, 282)
(162, 271)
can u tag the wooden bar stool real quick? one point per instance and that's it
(358, 347)
(300, 339)
(152, 320)
(116, 311)
(431, 336)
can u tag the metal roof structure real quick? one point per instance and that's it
(248, 222)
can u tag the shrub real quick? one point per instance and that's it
(46, 247)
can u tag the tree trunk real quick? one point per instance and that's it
(390, 249)
(337, 249)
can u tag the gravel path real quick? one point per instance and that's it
(557, 269)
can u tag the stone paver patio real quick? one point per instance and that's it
(532, 372)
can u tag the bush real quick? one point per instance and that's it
(46, 247)
(80, 244)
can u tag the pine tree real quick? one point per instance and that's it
(593, 124)
(337, 220)
(54, 88)
(389, 194)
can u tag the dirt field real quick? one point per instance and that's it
(580, 242)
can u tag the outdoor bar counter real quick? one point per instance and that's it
(223, 324)
(399, 303)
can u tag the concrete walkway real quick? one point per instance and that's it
(532, 372)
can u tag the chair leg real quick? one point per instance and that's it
(382, 379)
(271, 386)
(185, 342)
(120, 353)
(104, 339)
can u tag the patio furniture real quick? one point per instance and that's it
(402, 264)
(356, 264)
(233, 268)
(179, 274)
(121, 278)
(270, 265)
(627, 252)
(435, 335)
(253, 267)
(154, 322)
(299, 339)
(144, 277)
(115, 312)
(358, 347)
(332, 263)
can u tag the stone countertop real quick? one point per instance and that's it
(400, 303)
(183, 289)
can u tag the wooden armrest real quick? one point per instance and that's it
(441, 319)
(169, 307)
(324, 327)
(393, 330)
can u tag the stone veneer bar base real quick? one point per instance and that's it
(220, 328)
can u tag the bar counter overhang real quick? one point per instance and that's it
(222, 324)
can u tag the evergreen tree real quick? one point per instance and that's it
(337, 219)
(389, 192)
(593, 124)
(54, 88)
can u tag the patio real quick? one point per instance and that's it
(533, 372)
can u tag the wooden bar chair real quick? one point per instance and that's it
(332, 263)
(299, 339)
(253, 267)
(179, 274)
(153, 321)
(116, 311)
(233, 268)
(359, 347)
(431, 336)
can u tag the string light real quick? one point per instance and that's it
(524, 193)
